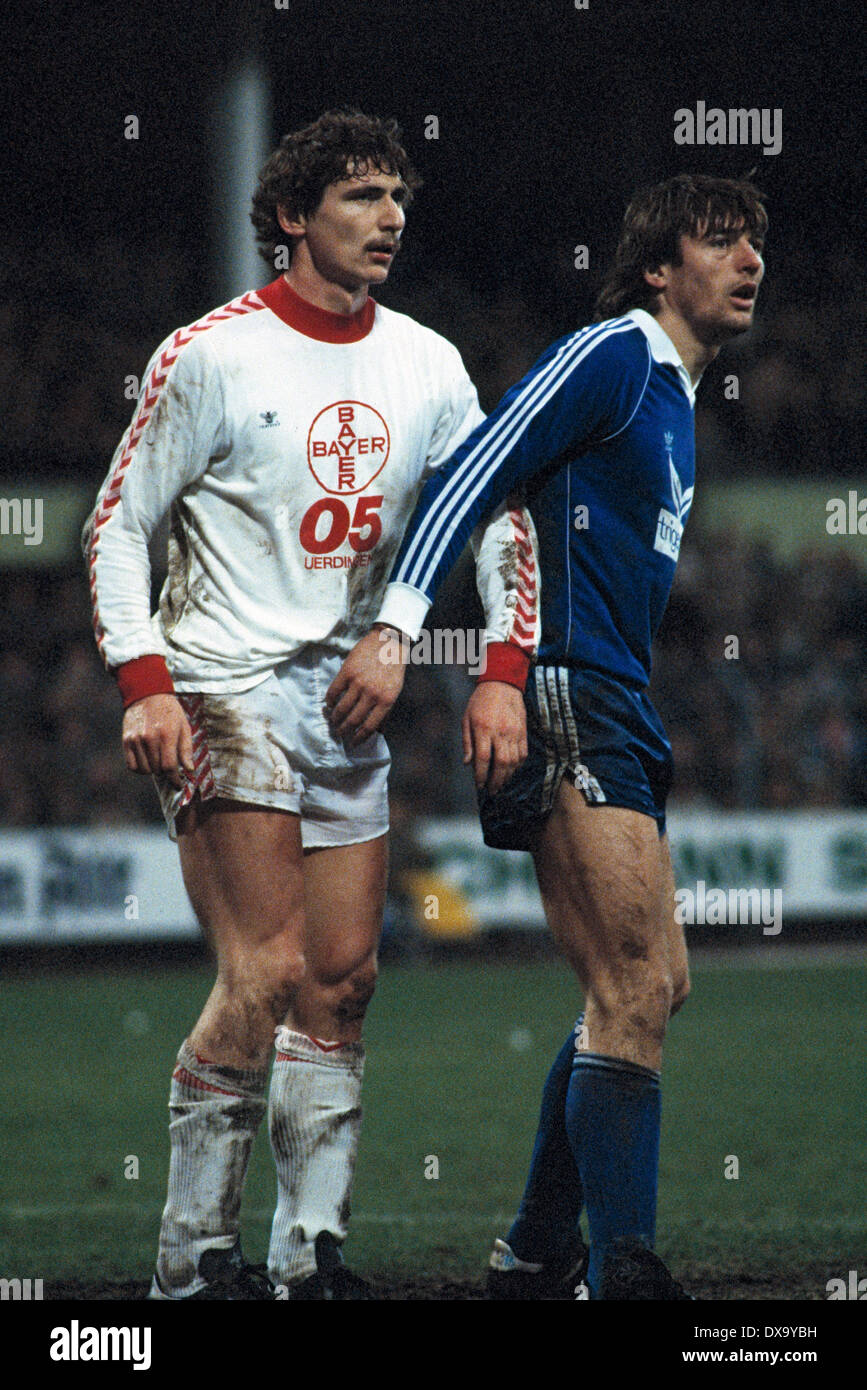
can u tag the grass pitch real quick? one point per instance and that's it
(764, 1066)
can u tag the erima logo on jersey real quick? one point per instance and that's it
(670, 524)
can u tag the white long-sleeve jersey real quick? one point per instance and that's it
(290, 445)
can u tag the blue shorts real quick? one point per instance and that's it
(604, 737)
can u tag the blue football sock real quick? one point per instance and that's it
(553, 1197)
(613, 1114)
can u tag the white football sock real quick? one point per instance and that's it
(215, 1113)
(314, 1116)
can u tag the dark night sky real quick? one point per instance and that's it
(549, 116)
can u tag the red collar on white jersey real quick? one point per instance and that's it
(314, 322)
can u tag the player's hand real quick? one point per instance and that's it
(495, 733)
(367, 684)
(157, 738)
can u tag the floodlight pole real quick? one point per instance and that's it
(241, 136)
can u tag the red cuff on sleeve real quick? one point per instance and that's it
(507, 663)
(147, 675)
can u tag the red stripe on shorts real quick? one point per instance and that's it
(203, 779)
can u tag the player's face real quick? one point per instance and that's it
(353, 236)
(713, 291)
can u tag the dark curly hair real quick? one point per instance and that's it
(655, 221)
(306, 161)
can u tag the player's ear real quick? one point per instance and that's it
(294, 224)
(656, 277)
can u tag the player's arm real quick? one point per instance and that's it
(372, 676)
(494, 726)
(156, 737)
(579, 391)
(165, 449)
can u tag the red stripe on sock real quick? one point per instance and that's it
(187, 1078)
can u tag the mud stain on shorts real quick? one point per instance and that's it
(230, 746)
(244, 751)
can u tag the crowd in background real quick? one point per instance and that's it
(760, 677)
(67, 354)
(779, 719)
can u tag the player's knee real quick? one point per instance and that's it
(355, 993)
(639, 1001)
(651, 1013)
(680, 991)
(286, 975)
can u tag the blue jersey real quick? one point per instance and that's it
(599, 437)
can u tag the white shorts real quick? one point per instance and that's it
(273, 747)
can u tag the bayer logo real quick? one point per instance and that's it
(347, 446)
